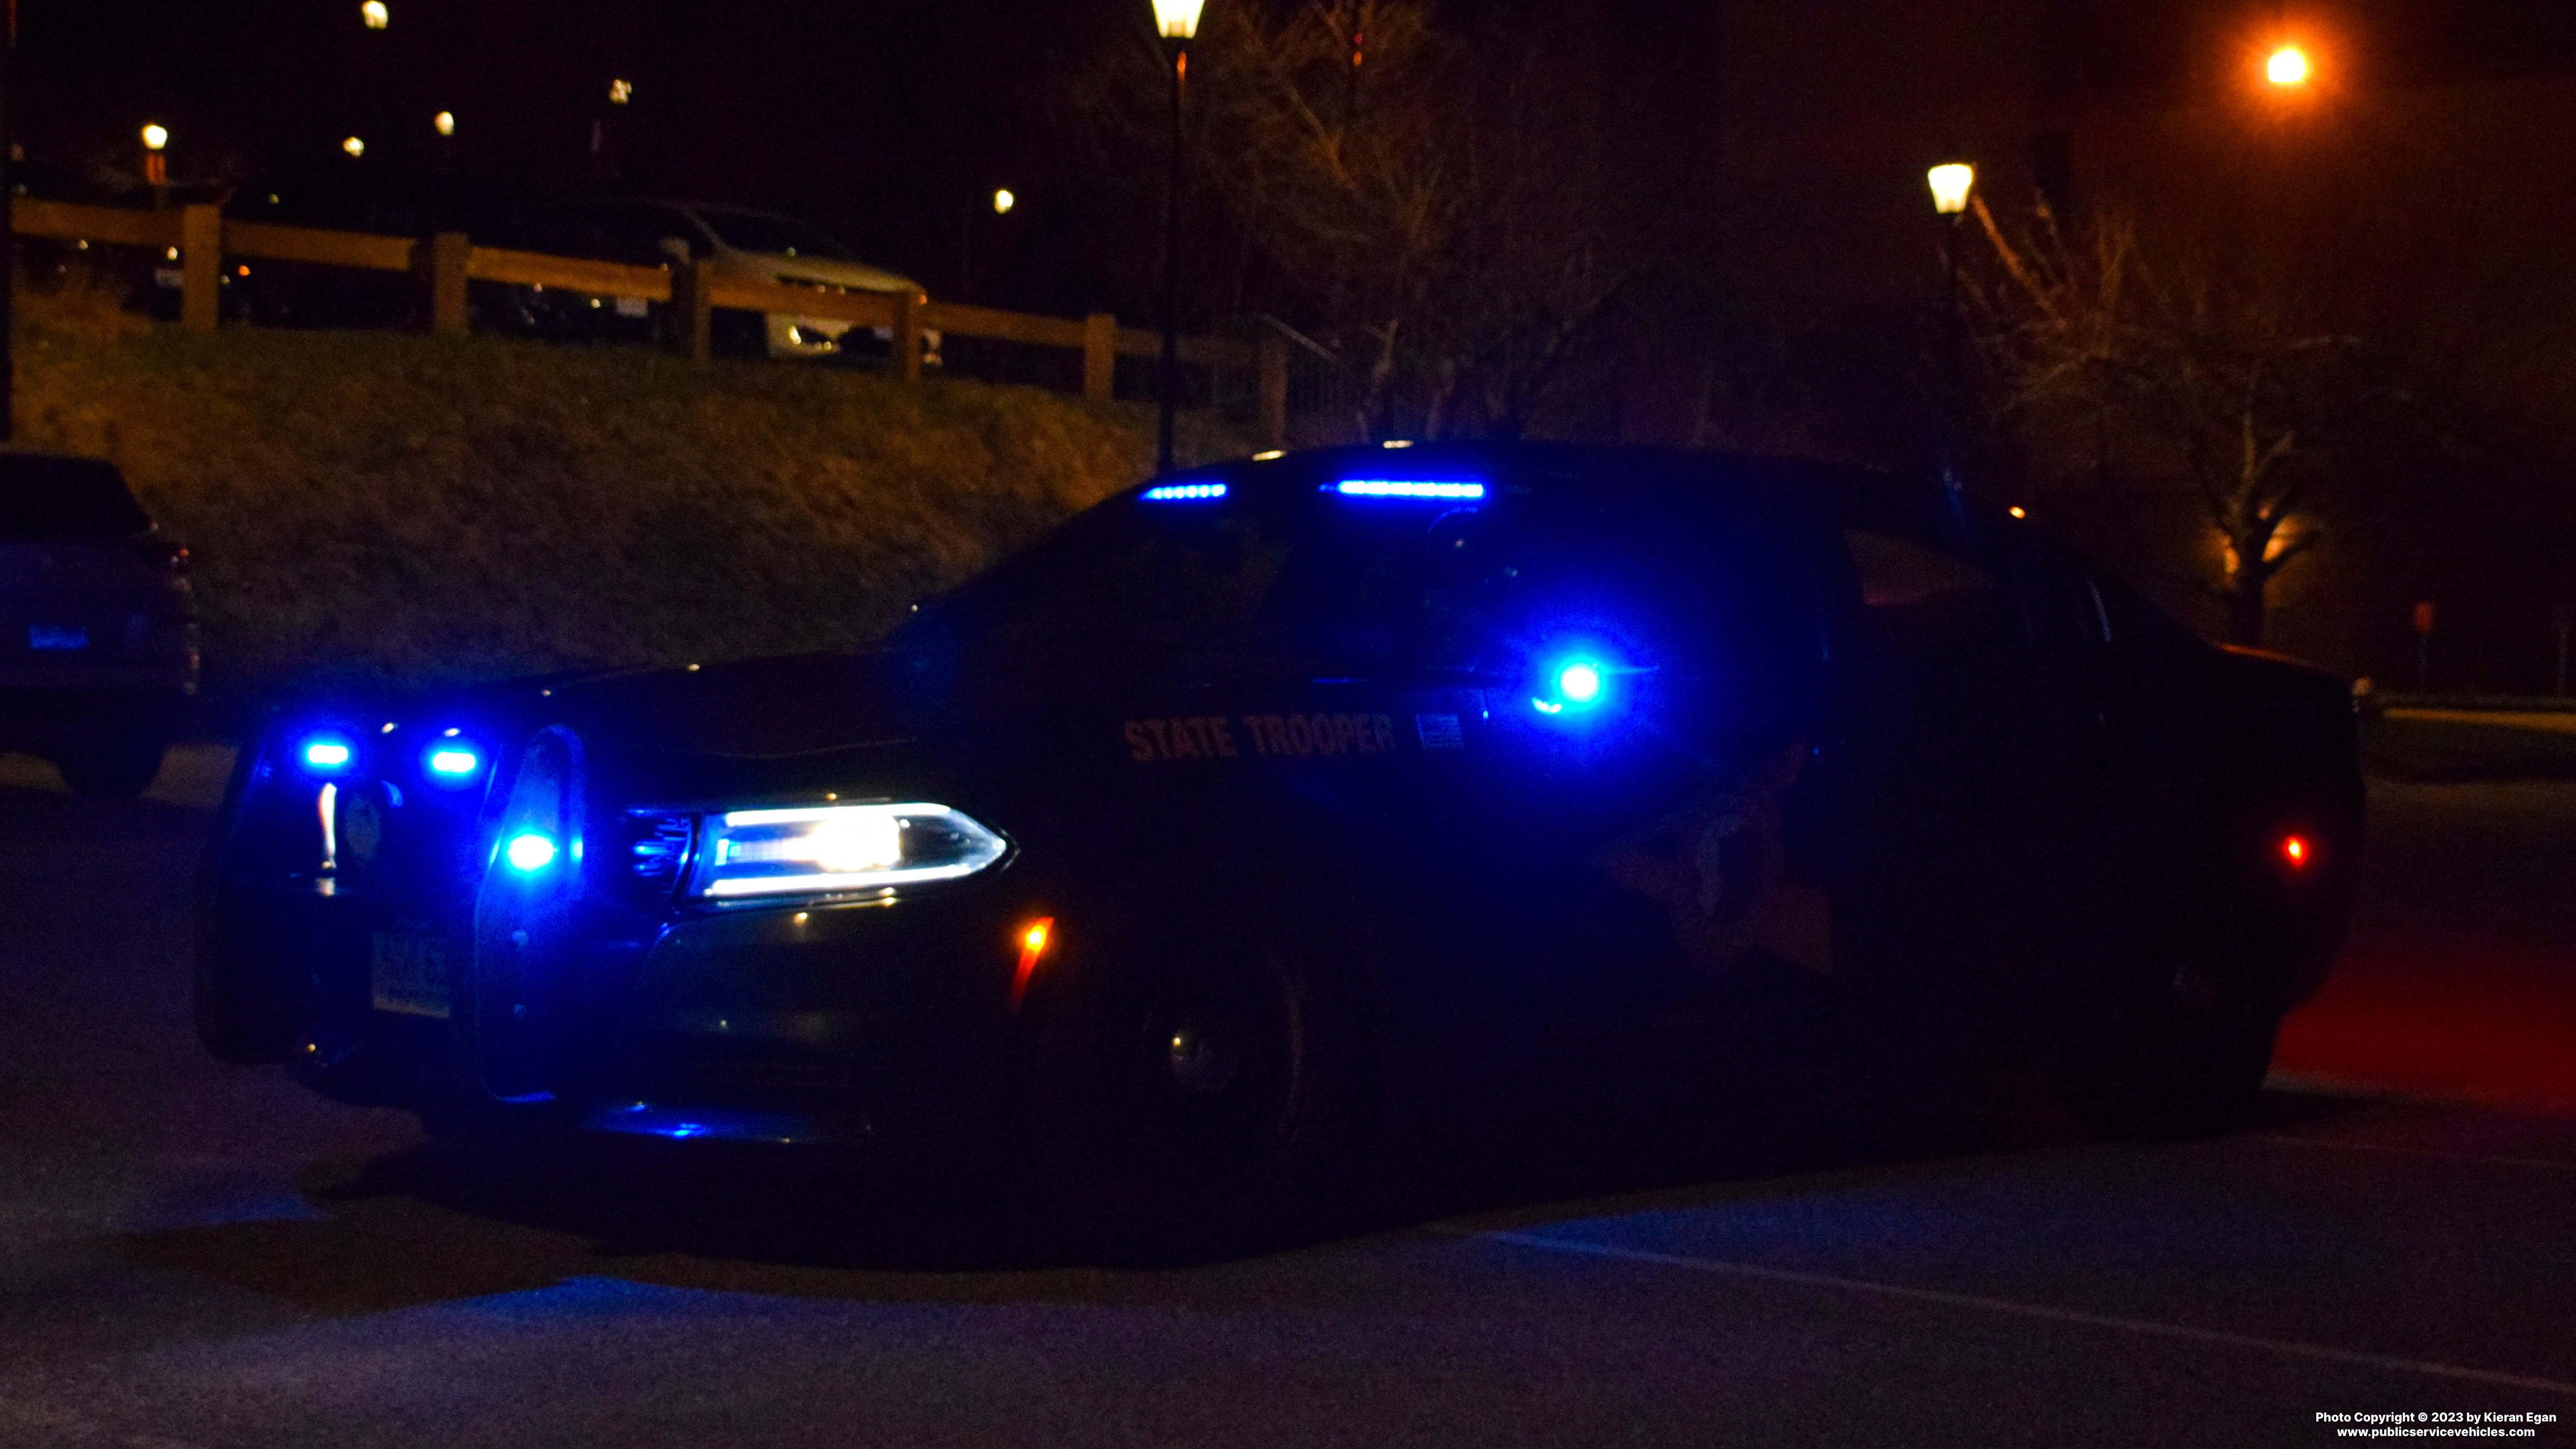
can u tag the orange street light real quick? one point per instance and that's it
(1951, 183)
(354, 146)
(375, 14)
(156, 166)
(444, 123)
(2287, 66)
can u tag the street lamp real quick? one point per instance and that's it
(444, 123)
(156, 166)
(1003, 201)
(375, 14)
(2287, 66)
(1177, 21)
(355, 147)
(1952, 182)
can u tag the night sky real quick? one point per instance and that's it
(890, 121)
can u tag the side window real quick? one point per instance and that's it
(2059, 601)
(2131, 623)
(1919, 601)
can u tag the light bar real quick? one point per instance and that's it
(1407, 488)
(1184, 492)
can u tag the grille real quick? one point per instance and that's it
(657, 850)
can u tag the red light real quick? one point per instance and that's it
(1033, 938)
(2294, 849)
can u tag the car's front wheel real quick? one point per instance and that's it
(2172, 1052)
(1195, 1073)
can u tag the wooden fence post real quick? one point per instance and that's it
(693, 310)
(1100, 356)
(1270, 384)
(907, 337)
(443, 263)
(201, 267)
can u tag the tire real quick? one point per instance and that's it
(2174, 1056)
(1195, 1078)
(116, 766)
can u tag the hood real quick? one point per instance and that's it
(753, 709)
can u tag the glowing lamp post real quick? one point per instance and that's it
(1177, 21)
(1003, 201)
(156, 163)
(2287, 67)
(1952, 183)
(444, 123)
(355, 147)
(375, 14)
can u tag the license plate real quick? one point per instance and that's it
(57, 636)
(410, 974)
(633, 307)
(169, 277)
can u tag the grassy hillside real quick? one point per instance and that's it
(415, 511)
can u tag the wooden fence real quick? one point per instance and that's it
(445, 263)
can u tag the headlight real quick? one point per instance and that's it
(832, 848)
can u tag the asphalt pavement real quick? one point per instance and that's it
(198, 1255)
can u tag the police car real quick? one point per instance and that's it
(1264, 804)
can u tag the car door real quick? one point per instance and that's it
(1967, 754)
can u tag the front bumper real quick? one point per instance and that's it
(424, 974)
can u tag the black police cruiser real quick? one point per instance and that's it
(1261, 805)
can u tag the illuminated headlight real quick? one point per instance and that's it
(832, 848)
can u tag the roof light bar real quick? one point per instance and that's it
(1184, 492)
(1407, 488)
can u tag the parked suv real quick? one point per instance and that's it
(98, 640)
(755, 246)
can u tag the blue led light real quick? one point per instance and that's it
(454, 761)
(326, 754)
(1576, 685)
(1184, 492)
(1407, 488)
(529, 852)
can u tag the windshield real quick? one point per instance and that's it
(1371, 582)
(750, 231)
(65, 500)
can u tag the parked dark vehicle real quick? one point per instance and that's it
(1270, 812)
(353, 196)
(98, 640)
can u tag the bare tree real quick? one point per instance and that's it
(2154, 364)
(1437, 204)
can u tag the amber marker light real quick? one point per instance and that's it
(2287, 66)
(1034, 939)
